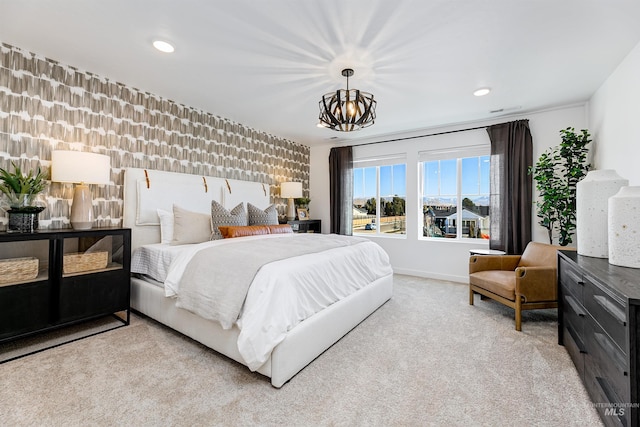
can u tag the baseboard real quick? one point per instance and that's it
(431, 275)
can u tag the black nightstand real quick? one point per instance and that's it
(307, 226)
(50, 280)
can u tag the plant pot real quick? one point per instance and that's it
(21, 221)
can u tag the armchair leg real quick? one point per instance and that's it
(518, 313)
(470, 295)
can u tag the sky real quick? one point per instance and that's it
(475, 179)
(393, 181)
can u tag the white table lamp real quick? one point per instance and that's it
(80, 168)
(291, 190)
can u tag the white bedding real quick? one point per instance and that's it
(283, 293)
(155, 260)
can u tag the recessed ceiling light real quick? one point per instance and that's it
(482, 91)
(163, 46)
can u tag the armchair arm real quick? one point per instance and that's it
(493, 262)
(537, 283)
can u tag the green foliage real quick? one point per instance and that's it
(468, 204)
(21, 189)
(302, 201)
(556, 173)
(370, 206)
(394, 207)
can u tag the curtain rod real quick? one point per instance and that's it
(421, 136)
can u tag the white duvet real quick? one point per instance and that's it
(284, 293)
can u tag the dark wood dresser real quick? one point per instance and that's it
(599, 318)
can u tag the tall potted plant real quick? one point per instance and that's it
(20, 193)
(556, 173)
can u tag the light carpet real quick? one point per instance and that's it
(43, 341)
(426, 357)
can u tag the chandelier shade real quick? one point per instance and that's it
(346, 110)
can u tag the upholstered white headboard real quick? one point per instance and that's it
(146, 191)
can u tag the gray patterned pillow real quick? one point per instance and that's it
(221, 216)
(258, 216)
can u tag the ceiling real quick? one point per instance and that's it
(267, 63)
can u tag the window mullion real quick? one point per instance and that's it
(378, 201)
(439, 179)
(421, 221)
(479, 174)
(459, 198)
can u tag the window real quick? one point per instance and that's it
(379, 196)
(455, 193)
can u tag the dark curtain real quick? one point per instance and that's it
(511, 190)
(341, 190)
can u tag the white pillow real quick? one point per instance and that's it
(190, 227)
(166, 226)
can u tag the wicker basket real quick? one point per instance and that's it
(18, 269)
(81, 262)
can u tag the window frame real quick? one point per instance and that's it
(457, 154)
(378, 162)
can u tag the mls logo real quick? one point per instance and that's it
(618, 412)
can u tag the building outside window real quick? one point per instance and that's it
(379, 196)
(455, 193)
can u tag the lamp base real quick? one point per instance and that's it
(82, 225)
(291, 210)
(82, 208)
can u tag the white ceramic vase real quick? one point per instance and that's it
(592, 195)
(624, 227)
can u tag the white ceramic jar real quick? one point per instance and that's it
(624, 227)
(592, 195)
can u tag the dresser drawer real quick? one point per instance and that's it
(609, 362)
(601, 392)
(604, 300)
(575, 348)
(574, 315)
(610, 314)
(571, 280)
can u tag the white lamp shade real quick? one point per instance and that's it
(83, 168)
(80, 166)
(290, 190)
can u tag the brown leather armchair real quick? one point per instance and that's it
(522, 282)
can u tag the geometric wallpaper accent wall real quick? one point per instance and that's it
(45, 105)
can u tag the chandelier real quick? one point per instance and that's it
(347, 110)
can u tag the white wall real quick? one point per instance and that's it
(442, 259)
(614, 119)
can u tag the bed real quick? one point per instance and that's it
(370, 286)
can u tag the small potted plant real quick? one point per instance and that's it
(20, 193)
(302, 202)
